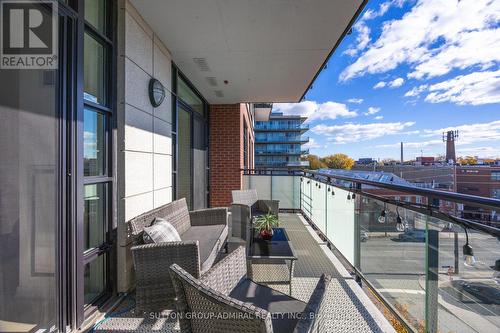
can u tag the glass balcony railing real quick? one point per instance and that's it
(281, 139)
(267, 126)
(281, 151)
(434, 272)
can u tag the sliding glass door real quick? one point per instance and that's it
(190, 139)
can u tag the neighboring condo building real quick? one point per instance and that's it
(278, 141)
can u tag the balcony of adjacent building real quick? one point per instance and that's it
(269, 126)
(271, 152)
(277, 139)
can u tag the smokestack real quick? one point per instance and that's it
(450, 137)
(402, 160)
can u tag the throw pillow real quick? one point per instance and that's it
(160, 231)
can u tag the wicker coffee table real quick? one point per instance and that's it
(271, 262)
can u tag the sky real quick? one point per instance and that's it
(409, 71)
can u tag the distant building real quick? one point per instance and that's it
(278, 142)
(366, 161)
(425, 160)
(374, 207)
(482, 181)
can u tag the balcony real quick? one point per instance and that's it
(270, 127)
(282, 139)
(409, 254)
(393, 262)
(281, 152)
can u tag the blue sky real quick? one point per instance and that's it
(410, 70)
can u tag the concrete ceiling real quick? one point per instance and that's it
(266, 50)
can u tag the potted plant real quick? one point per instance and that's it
(265, 225)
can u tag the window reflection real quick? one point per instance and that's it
(93, 143)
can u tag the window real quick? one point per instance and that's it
(495, 193)
(97, 180)
(95, 14)
(94, 65)
(94, 150)
(189, 96)
(495, 175)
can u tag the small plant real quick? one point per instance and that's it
(265, 225)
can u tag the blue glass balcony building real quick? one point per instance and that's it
(279, 140)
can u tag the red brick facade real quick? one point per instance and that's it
(226, 124)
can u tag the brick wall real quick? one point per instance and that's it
(226, 150)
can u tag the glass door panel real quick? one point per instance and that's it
(199, 163)
(30, 198)
(184, 157)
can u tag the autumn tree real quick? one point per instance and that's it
(467, 160)
(338, 161)
(314, 162)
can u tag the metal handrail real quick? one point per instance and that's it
(431, 193)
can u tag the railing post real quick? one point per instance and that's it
(357, 232)
(432, 276)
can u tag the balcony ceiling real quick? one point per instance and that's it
(267, 50)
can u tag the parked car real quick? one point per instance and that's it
(415, 235)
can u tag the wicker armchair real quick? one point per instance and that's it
(224, 300)
(245, 206)
(203, 233)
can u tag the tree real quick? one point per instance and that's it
(314, 162)
(467, 160)
(338, 161)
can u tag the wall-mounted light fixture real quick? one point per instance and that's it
(156, 92)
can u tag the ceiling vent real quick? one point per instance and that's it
(212, 81)
(219, 93)
(202, 64)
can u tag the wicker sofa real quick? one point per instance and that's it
(203, 233)
(246, 205)
(224, 300)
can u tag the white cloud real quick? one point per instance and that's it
(379, 117)
(482, 152)
(475, 89)
(360, 132)
(379, 85)
(413, 145)
(362, 39)
(363, 31)
(355, 100)
(396, 83)
(415, 91)
(311, 144)
(435, 37)
(468, 134)
(316, 111)
(372, 110)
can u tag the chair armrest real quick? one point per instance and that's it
(241, 220)
(271, 206)
(152, 261)
(311, 319)
(210, 216)
(226, 314)
(227, 273)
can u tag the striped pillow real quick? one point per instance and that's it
(159, 232)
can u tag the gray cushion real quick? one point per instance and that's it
(210, 238)
(160, 231)
(273, 301)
